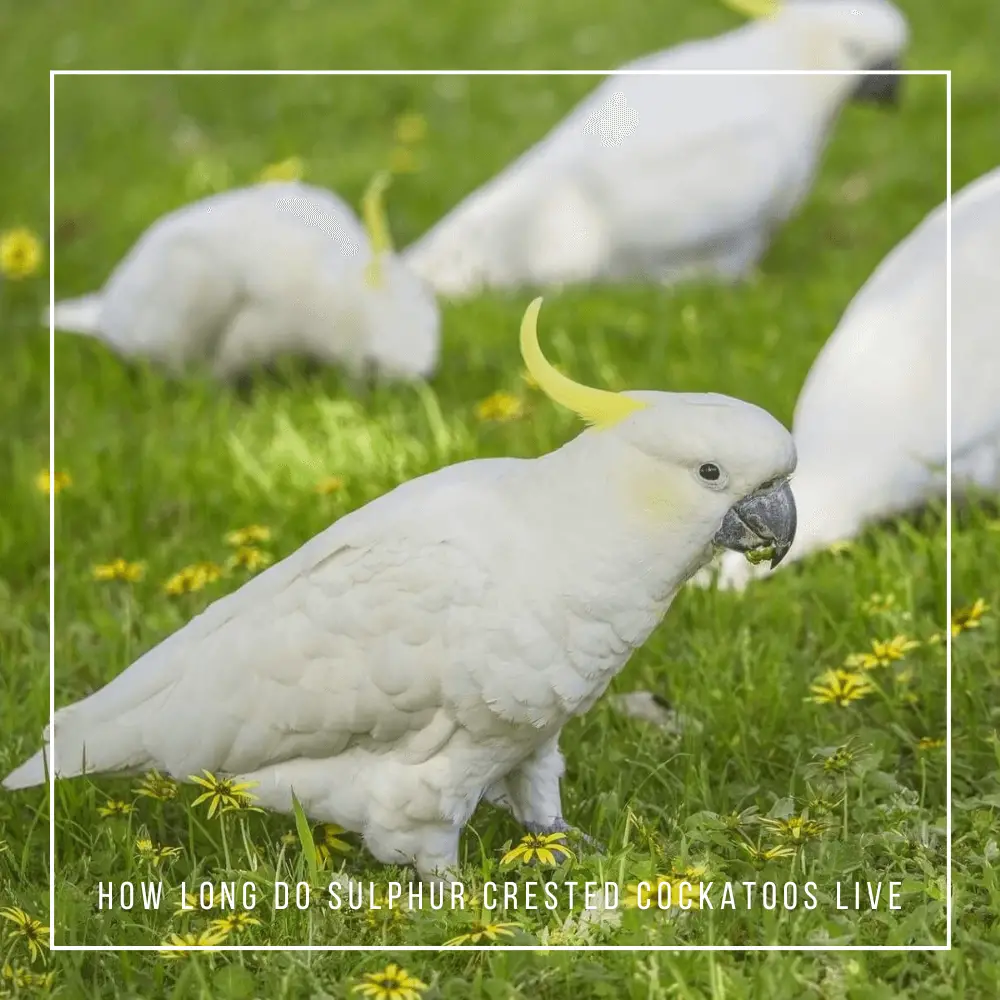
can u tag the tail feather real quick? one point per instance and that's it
(82, 315)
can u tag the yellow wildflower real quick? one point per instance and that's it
(120, 569)
(879, 604)
(761, 855)
(207, 937)
(252, 534)
(796, 829)
(328, 842)
(290, 169)
(193, 578)
(54, 484)
(222, 792)
(115, 807)
(25, 979)
(542, 847)
(250, 558)
(479, 932)
(20, 253)
(500, 407)
(966, 618)
(148, 851)
(883, 652)
(840, 687)
(930, 743)
(391, 983)
(234, 923)
(155, 786)
(26, 928)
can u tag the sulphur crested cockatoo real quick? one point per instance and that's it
(239, 278)
(870, 424)
(425, 651)
(669, 178)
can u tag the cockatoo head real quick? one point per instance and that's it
(716, 464)
(868, 35)
(401, 313)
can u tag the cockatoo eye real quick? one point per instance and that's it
(711, 475)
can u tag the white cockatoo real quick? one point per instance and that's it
(672, 177)
(239, 278)
(870, 423)
(425, 651)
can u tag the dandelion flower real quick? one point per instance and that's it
(329, 484)
(119, 569)
(253, 534)
(193, 578)
(482, 932)
(500, 407)
(966, 618)
(148, 851)
(329, 843)
(883, 652)
(115, 807)
(545, 848)
(155, 786)
(26, 928)
(222, 792)
(291, 169)
(930, 743)
(205, 938)
(796, 829)
(391, 983)
(250, 558)
(761, 855)
(234, 923)
(410, 128)
(52, 484)
(840, 687)
(20, 253)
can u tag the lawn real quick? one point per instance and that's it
(756, 782)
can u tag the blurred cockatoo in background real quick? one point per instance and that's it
(425, 651)
(669, 178)
(240, 278)
(871, 424)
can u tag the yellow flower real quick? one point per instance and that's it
(292, 169)
(402, 161)
(760, 855)
(392, 983)
(155, 786)
(879, 604)
(55, 484)
(26, 928)
(234, 923)
(222, 792)
(330, 484)
(20, 253)
(482, 932)
(840, 687)
(148, 851)
(207, 937)
(119, 569)
(253, 534)
(328, 842)
(250, 558)
(542, 847)
(966, 618)
(796, 829)
(410, 128)
(883, 653)
(930, 743)
(188, 903)
(115, 807)
(25, 979)
(500, 407)
(193, 578)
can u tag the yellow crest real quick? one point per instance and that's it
(597, 406)
(755, 9)
(376, 225)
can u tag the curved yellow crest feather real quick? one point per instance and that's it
(376, 225)
(755, 8)
(597, 406)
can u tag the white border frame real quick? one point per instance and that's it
(53, 946)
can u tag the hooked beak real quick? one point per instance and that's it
(765, 519)
(877, 86)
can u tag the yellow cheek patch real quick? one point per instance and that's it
(597, 406)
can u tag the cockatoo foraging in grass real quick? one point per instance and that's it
(871, 421)
(671, 178)
(240, 278)
(425, 651)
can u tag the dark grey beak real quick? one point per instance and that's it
(877, 86)
(765, 519)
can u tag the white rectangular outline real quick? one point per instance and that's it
(53, 74)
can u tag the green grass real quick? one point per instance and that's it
(162, 471)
